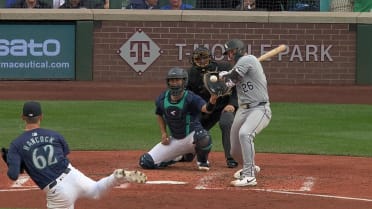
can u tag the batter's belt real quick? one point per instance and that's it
(252, 105)
(54, 183)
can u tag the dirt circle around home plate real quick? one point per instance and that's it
(285, 181)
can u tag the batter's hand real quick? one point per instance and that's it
(229, 83)
(222, 74)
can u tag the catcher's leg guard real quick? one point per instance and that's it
(146, 161)
(189, 157)
(203, 145)
(166, 164)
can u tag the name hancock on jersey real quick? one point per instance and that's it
(36, 140)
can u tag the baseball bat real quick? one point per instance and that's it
(272, 52)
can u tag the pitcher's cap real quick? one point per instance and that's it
(31, 109)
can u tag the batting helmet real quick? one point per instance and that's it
(177, 73)
(201, 57)
(237, 45)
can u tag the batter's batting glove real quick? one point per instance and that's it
(229, 83)
(222, 74)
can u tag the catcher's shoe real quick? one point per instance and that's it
(237, 175)
(130, 176)
(245, 181)
(203, 166)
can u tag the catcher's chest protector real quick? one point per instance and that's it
(176, 116)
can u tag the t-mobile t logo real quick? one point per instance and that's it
(140, 51)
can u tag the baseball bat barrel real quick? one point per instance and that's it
(272, 52)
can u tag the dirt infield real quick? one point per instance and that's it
(286, 181)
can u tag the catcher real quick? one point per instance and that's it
(203, 66)
(43, 155)
(178, 110)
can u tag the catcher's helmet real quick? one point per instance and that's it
(201, 57)
(177, 73)
(237, 45)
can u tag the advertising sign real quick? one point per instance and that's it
(37, 51)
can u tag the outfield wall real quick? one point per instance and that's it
(140, 45)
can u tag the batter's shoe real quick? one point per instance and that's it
(238, 174)
(203, 166)
(246, 181)
(231, 163)
(130, 176)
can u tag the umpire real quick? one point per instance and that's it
(224, 112)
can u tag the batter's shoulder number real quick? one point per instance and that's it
(247, 86)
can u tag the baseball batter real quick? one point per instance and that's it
(253, 114)
(44, 153)
(179, 110)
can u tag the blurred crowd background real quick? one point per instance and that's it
(248, 5)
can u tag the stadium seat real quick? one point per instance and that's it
(2, 3)
(165, 2)
(50, 2)
(303, 5)
(97, 4)
(115, 4)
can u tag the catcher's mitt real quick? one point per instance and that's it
(218, 88)
(4, 153)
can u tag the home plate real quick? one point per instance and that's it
(166, 182)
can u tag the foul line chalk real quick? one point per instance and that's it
(165, 182)
(292, 193)
(19, 189)
(314, 195)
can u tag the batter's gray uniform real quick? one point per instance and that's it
(253, 114)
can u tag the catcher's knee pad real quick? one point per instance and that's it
(202, 140)
(203, 145)
(146, 161)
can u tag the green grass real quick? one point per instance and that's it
(330, 129)
(318, 129)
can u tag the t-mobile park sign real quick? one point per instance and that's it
(140, 51)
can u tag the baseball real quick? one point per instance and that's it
(213, 78)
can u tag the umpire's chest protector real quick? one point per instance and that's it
(176, 116)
